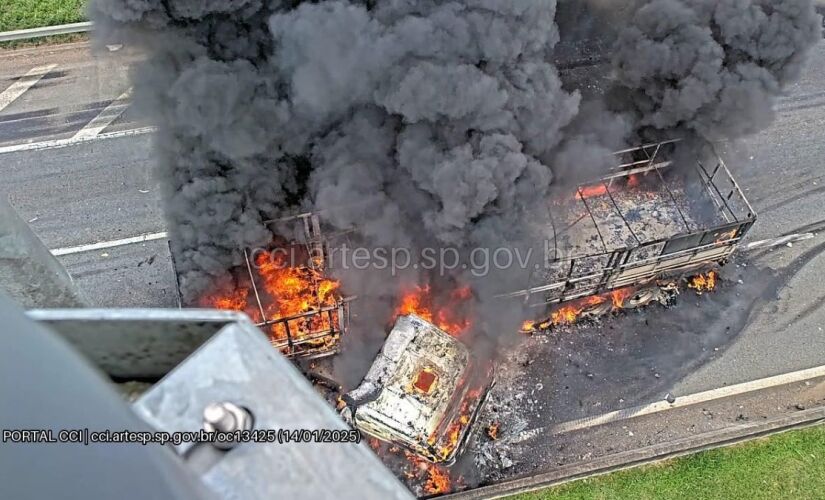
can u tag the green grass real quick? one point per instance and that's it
(786, 466)
(22, 14)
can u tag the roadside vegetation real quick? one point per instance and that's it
(23, 14)
(788, 465)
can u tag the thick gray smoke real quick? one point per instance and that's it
(420, 123)
(712, 67)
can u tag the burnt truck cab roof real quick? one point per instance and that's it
(422, 392)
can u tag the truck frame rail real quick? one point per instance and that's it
(684, 220)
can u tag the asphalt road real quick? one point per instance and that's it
(89, 191)
(76, 90)
(782, 171)
(770, 323)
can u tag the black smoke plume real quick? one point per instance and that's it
(711, 67)
(420, 123)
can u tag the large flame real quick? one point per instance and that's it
(448, 315)
(295, 290)
(286, 291)
(235, 300)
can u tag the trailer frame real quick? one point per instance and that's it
(694, 248)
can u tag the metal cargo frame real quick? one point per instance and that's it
(318, 343)
(694, 248)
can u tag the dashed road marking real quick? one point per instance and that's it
(109, 244)
(25, 82)
(62, 143)
(106, 117)
(692, 399)
(775, 242)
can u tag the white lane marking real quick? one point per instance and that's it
(775, 242)
(109, 244)
(25, 82)
(109, 114)
(692, 399)
(62, 143)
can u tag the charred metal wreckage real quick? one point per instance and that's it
(639, 231)
(634, 230)
(423, 391)
(309, 334)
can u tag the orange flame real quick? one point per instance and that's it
(436, 478)
(703, 282)
(585, 192)
(234, 301)
(570, 313)
(457, 425)
(632, 181)
(620, 295)
(492, 430)
(438, 481)
(447, 316)
(289, 291)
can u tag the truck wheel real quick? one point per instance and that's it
(597, 310)
(641, 298)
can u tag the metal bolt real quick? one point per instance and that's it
(225, 417)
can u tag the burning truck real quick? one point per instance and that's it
(287, 291)
(620, 243)
(424, 388)
(423, 391)
(631, 237)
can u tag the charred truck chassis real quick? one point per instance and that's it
(321, 341)
(423, 391)
(613, 240)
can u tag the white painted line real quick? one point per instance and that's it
(775, 242)
(109, 244)
(692, 399)
(109, 114)
(25, 82)
(62, 143)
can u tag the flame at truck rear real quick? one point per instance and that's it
(287, 291)
(448, 311)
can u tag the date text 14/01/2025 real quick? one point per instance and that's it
(285, 436)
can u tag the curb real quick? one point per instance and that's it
(645, 456)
